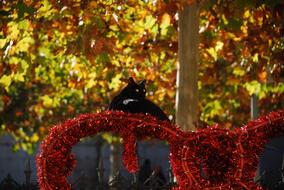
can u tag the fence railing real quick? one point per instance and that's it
(8, 183)
(119, 182)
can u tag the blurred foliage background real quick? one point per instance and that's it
(63, 58)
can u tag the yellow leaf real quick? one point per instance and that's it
(19, 77)
(24, 44)
(45, 10)
(253, 87)
(34, 137)
(115, 82)
(6, 81)
(2, 43)
(24, 66)
(219, 46)
(225, 19)
(244, 29)
(13, 30)
(90, 84)
(16, 147)
(166, 19)
(213, 53)
(246, 14)
(149, 22)
(24, 25)
(47, 101)
(3, 127)
(239, 71)
(255, 58)
(233, 37)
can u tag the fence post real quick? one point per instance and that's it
(100, 174)
(28, 173)
(114, 159)
(253, 106)
(171, 176)
(135, 182)
(9, 183)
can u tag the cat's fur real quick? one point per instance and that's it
(132, 99)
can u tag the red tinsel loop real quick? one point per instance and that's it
(211, 158)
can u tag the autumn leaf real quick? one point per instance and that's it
(62, 58)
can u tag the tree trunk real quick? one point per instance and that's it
(187, 67)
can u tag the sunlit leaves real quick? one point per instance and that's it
(238, 71)
(212, 109)
(6, 80)
(115, 82)
(62, 58)
(24, 9)
(241, 66)
(45, 9)
(253, 87)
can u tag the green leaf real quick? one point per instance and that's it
(23, 9)
(100, 23)
(44, 51)
(115, 82)
(235, 24)
(103, 58)
(212, 109)
(24, 24)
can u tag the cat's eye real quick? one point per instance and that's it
(137, 90)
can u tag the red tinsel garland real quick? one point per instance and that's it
(228, 159)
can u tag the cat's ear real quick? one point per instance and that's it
(131, 81)
(142, 83)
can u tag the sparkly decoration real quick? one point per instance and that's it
(211, 158)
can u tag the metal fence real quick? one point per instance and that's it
(119, 182)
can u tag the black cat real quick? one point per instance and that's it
(132, 99)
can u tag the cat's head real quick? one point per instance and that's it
(135, 90)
